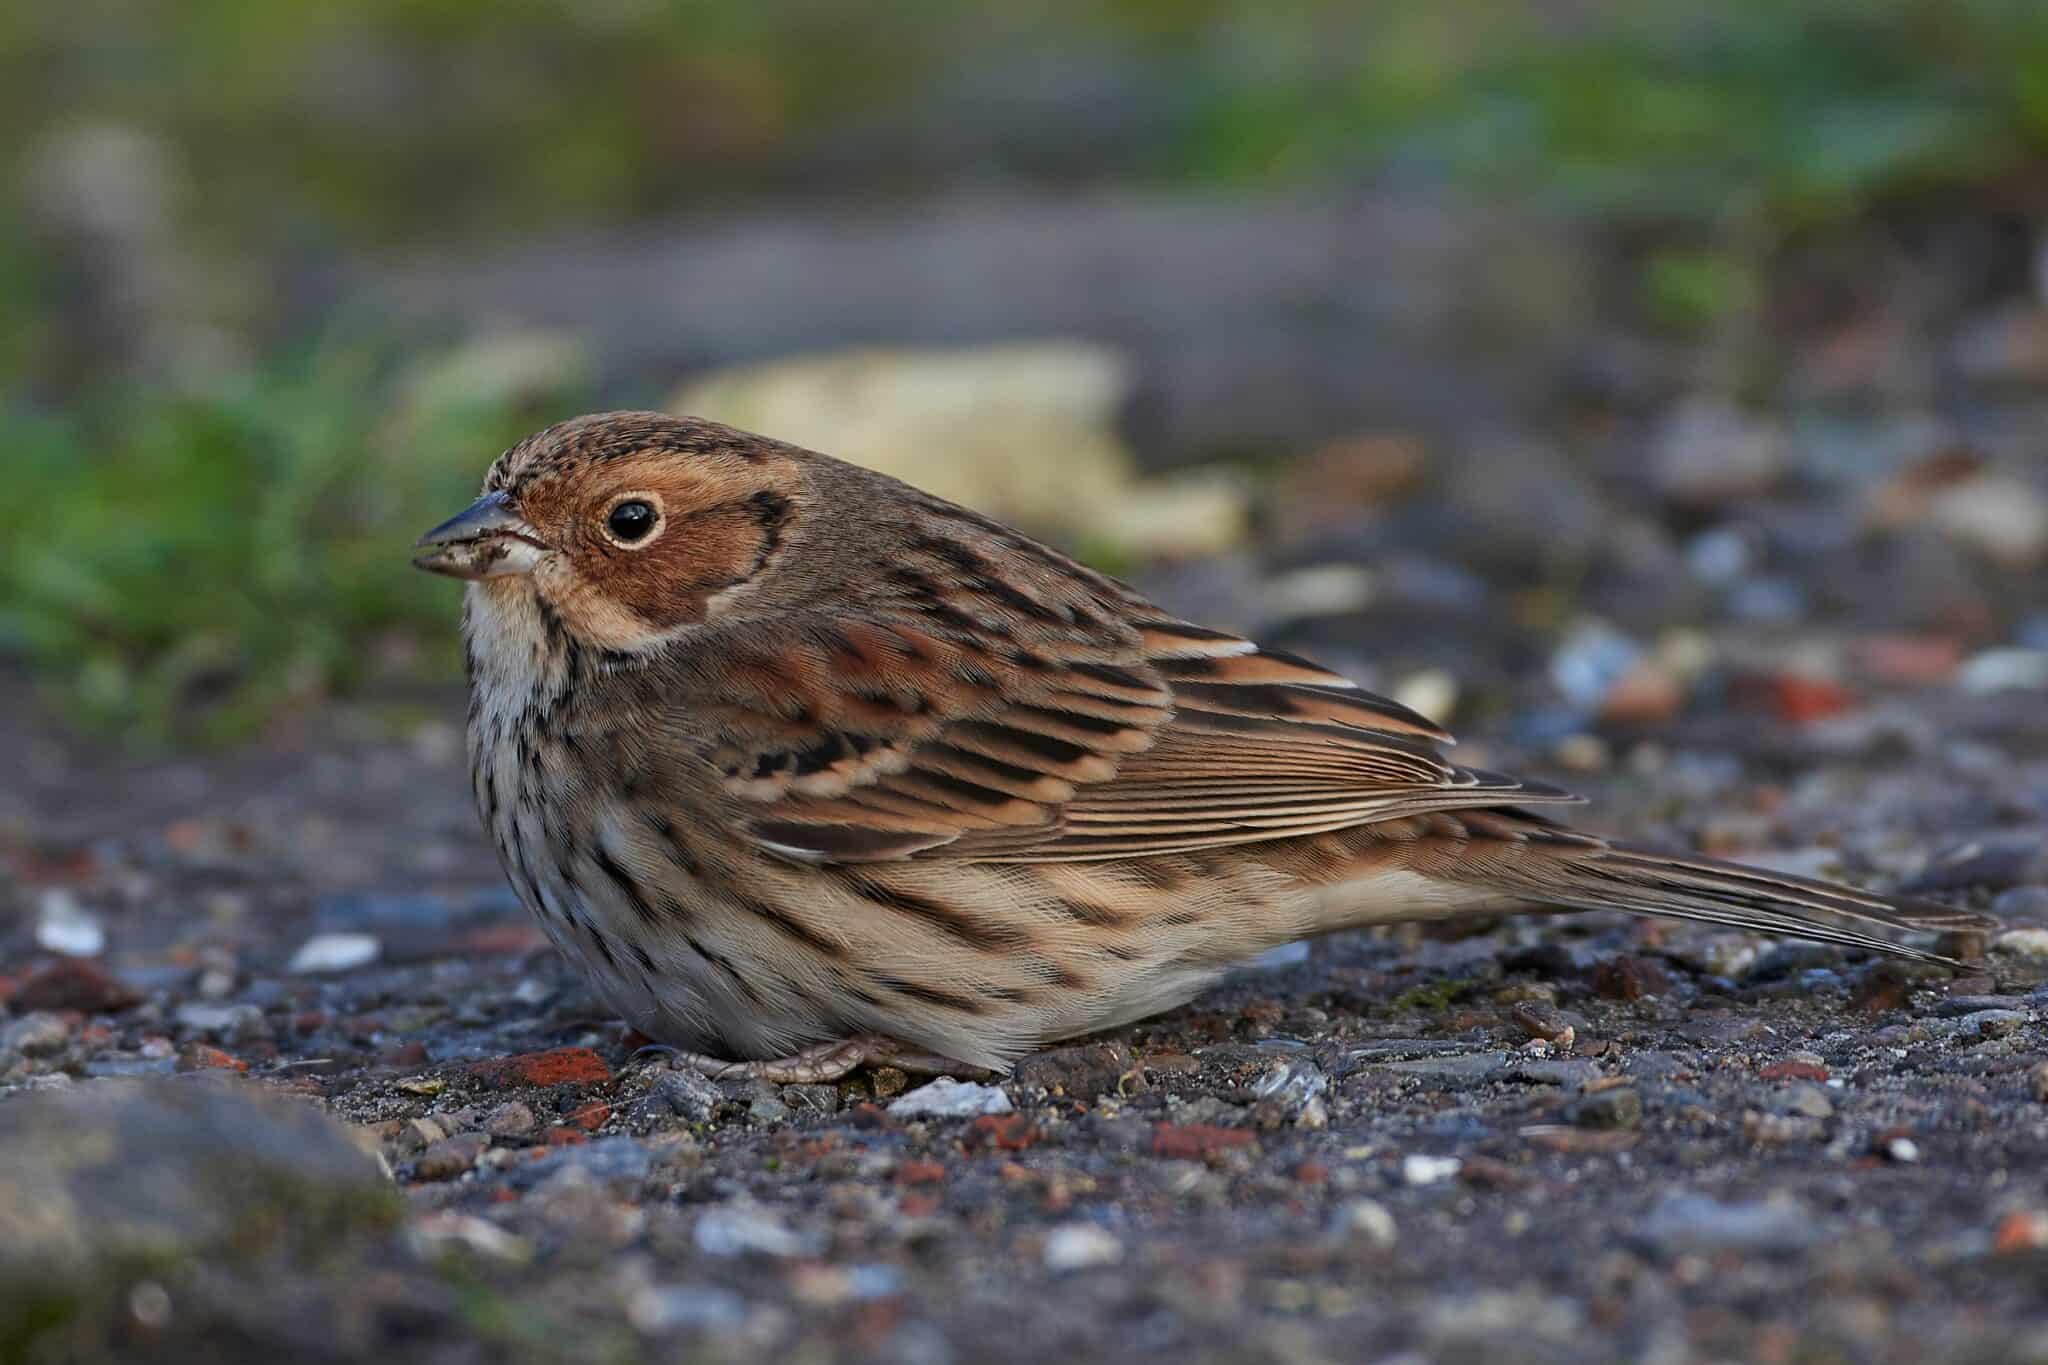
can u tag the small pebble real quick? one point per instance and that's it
(1420, 1169)
(451, 1156)
(35, 1035)
(335, 953)
(946, 1098)
(764, 1105)
(64, 926)
(233, 1023)
(2023, 942)
(687, 1094)
(2001, 670)
(2037, 1082)
(419, 1134)
(1368, 1221)
(1616, 1108)
(744, 1228)
(1079, 1246)
(510, 1119)
(1542, 1020)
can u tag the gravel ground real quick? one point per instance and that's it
(283, 1069)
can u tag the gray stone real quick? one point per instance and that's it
(1292, 1084)
(1685, 1222)
(451, 1156)
(1620, 1107)
(223, 1023)
(35, 1035)
(107, 1181)
(745, 1228)
(687, 1095)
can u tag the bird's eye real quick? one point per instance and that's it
(632, 521)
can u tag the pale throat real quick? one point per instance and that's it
(517, 653)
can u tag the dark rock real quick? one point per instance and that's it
(1630, 978)
(687, 1094)
(1081, 1073)
(451, 1156)
(1619, 1107)
(74, 984)
(1995, 861)
(2022, 905)
(819, 1101)
(1540, 1019)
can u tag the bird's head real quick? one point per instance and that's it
(627, 526)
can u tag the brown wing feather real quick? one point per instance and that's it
(1133, 738)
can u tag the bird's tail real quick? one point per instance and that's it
(1519, 857)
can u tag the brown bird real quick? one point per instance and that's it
(809, 768)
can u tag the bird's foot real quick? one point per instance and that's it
(821, 1063)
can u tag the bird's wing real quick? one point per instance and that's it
(1022, 727)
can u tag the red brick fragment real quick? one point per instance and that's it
(590, 1117)
(561, 1136)
(2026, 1230)
(201, 1057)
(1803, 700)
(1794, 1071)
(917, 1172)
(558, 1066)
(1196, 1140)
(1004, 1132)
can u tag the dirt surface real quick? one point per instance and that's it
(1558, 1139)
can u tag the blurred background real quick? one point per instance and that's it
(1556, 365)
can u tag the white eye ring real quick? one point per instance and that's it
(618, 524)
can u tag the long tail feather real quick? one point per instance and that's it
(1678, 886)
(1521, 857)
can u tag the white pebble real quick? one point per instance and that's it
(946, 1098)
(1418, 1169)
(1368, 1221)
(64, 926)
(1905, 1151)
(1078, 1246)
(742, 1228)
(336, 953)
(2003, 670)
(2025, 942)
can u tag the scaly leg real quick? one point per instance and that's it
(822, 1062)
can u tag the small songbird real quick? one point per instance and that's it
(806, 768)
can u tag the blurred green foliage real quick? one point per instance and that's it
(183, 557)
(179, 564)
(379, 120)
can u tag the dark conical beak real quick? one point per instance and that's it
(486, 539)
